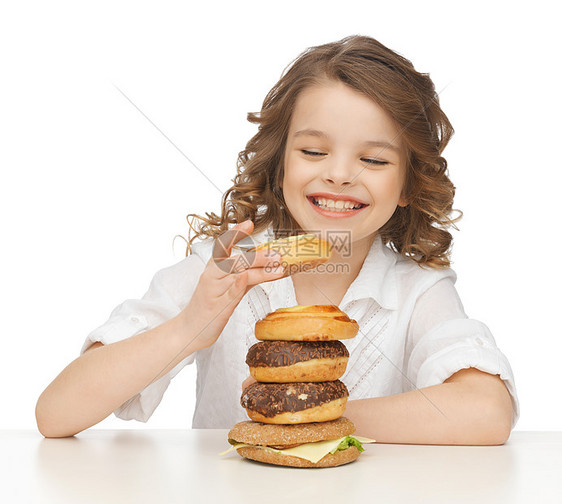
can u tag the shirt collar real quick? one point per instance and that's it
(376, 280)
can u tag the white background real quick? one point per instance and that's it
(92, 194)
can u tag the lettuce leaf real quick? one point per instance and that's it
(348, 442)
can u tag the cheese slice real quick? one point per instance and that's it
(308, 451)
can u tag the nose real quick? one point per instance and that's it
(339, 172)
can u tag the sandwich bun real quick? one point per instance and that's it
(329, 460)
(257, 433)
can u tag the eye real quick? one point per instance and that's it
(312, 153)
(372, 161)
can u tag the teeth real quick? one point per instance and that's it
(338, 206)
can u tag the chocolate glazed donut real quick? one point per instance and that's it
(297, 361)
(292, 403)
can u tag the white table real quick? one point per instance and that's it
(172, 466)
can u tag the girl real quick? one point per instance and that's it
(349, 144)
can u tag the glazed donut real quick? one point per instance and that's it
(306, 323)
(294, 403)
(298, 361)
(299, 253)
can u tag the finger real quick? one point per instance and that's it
(235, 264)
(238, 287)
(264, 258)
(246, 260)
(215, 279)
(224, 243)
(267, 274)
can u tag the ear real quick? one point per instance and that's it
(403, 202)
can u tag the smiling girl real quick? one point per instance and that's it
(350, 142)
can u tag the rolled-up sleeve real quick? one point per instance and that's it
(446, 341)
(169, 292)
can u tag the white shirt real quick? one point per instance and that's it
(413, 333)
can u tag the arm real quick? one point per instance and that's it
(95, 384)
(469, 408)
(99, 381)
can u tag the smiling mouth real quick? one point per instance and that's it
(335, 206)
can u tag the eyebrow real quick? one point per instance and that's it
(369, 143)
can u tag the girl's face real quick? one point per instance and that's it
(344, 162)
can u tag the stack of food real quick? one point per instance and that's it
(297, 403)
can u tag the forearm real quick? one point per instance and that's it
(446, 414)
(95, 384)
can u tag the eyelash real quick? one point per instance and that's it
(366, 160)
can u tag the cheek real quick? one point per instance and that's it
(294, 177)
(396, 185)
(388, 187)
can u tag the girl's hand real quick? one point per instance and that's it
(224, 282)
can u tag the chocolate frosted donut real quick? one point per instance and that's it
(297, 361)
(292, 403)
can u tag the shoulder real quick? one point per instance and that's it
(185, 272)
(414, 280)
(392, 279)
(203, 250)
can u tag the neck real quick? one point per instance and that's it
(330, 285)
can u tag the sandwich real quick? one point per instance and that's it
(318, 444)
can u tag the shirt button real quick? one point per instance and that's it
(479, 341)
(134, 319)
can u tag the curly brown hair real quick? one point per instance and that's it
(418, 230)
